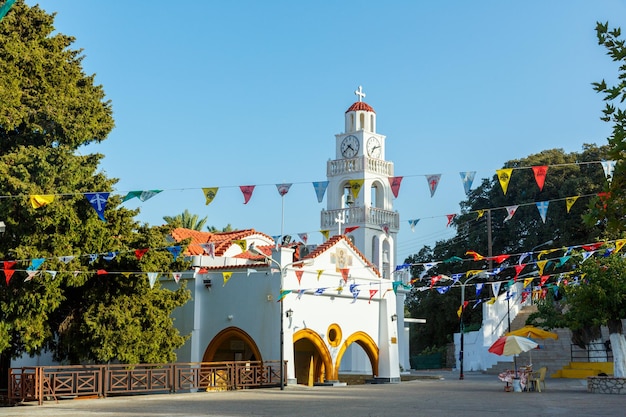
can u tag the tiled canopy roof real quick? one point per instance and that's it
(360, 105)
(222, 240)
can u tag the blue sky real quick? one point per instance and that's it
(230, 93)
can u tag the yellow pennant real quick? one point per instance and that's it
(481, 213)
(527, 282)
(504, 176)
(569, 202)
(541, 265)
(619, 244)
(226, 276)
(41, 200)
(319, 273)
(241, 243)
(325, 233)
(209, 194)
(492, 300)
(473, 272)
(355, 187)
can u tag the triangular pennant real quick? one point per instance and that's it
(510, 212)
(304, 237)
(468, 178)
(504, 176)
(53, 273)
(139, 253)
(569, 202)
(176, 276)
(241, 243)
(480, 213)
(109, 256)
(209, 194)
(385, 227)
(450, 218)
(501, 258)
(479, 288)
(477, 256)
(320, 189)
(66, 259)
(300, 293)
(9, 264)
(30, 275)
(93, 257)
(412, 223)
(540, 172)
(8, 274)
(325, 233)
(226, 276)
(442, 290)
(608, 167)
(247, 191)
(299, 275)
(372, 294)
(542, 207)
(174, 250)
(319, 273)
(283, 189)
(394, 182)
(355, 187)
(345, 274)
(101, 272)
(619, 244)
(433, 182)
(283, 294)
(41, 200)
(99, 202)
(541, 265)
(518, 269)
(35, 264)
(495, 287)
(152, 277)
(319, 291)
(350, 229)
(543, 279)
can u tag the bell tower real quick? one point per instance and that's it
(359, 194)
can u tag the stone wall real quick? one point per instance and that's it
(606, 385)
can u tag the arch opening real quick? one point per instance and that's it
(312, 361)
(232, 344)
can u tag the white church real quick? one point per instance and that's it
(326, 310)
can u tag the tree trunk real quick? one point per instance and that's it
(618, 346)
(596, 351)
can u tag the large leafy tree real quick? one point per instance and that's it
(569, 174)
(48, 109)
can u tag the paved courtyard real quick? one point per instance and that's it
(435, 394)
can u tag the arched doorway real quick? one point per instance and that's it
(312, 361)
(232, 344)
(368, 345)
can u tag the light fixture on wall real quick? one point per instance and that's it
(394, 317)
(289, 313)
(207, 283)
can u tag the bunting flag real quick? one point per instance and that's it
(283, 189)
(176, 276)
(139, 253)
(9, 264)
(152, 277)
(101, 272)
(527, 282)
(241, 243)
(511, 211)
(542, 206)
(304, 237)
(209, 248)
(41, 200)
(495, 287)
(385, 227)
(345, 274)
(434, 280)
(300, 293)
(247, 191)
(412, 223)
(433, 182)
(543, 279)
(461, 308)
(141, 195)
(355, 187)
(541, 265)
(372, 294)
(540, 175)
(443, 290)
(30, 275)
(562, 260)
(319, 273)
(501, 258)
(355, 294)
(99, 202)
(350, 229)
(319, 291)
(93, 258)
(5, 8)
(394, 182)
(283, 294)
(492, 300)
(569, 202)
(619, 244)
(479, 288)
(608, 167)
(226, 276)
(209, 194)
(428, 265)
(477, 256)
(109, 256)
(468, 178)
(66, 259)
(35, 264)
(251, 271)
(325, 233)
(450, 218)
(320, 189)
(480, 213)
(587, 255)
(299, 275)
(174, 250)
(504, 176)
(8, 273)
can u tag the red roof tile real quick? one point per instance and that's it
(331, 242)
(360, 105)
(222, 240)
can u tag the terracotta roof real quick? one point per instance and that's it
(360, 105)
(221, 240)
(331, 242)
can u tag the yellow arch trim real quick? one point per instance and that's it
(226, 334)
(317, 341)
(367, 343)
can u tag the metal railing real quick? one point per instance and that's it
(595, 352)
(41, 382)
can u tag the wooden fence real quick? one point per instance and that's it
(54, 382)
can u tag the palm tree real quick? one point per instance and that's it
(186, 220)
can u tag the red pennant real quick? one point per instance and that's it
(518, 269)
(435, 280)
(593, 246)
(372, 293)
(101, 272)
(247, 191)
(395, 185)
(9, 264)
(501, 258)
(345, 273)
(544, 292)
(9, 274)
(540, 175)
(524, 296)
(299, 275)
(140, 252)
(351, 229)
(543, 280)
(450, 217)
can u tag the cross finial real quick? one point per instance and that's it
(360, 93)
(340, 219)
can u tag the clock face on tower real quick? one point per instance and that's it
(349, 146)
(373, 147)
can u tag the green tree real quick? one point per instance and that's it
(186, 220)
(48, 109)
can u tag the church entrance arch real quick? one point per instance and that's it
(369, 346)
(312, 361)
(232, 344)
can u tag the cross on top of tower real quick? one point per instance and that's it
(360, 93)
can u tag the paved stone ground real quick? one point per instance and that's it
(434, 394)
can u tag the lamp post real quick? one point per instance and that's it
(283, 270)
